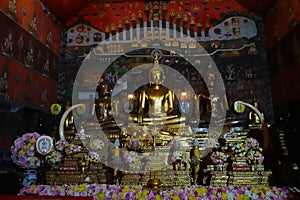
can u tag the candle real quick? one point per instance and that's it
(117, 152)
(117, 144)
(197, 155)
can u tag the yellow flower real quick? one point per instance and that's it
(100, 195)
(214, 192)
(81, 188)
(263, 187)
(21, 152)
(136, 187)
(192, 197)
(157, 197)
(126, 187)
(34, 187)
(201, 191)
(176, 197)
(143, 196)
(178, 187)
(254, 190)
(138, 196)
(242, 197)
(144, 192)
(122, 195)
(224, 196)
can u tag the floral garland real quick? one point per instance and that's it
(218, 157)
(103, 191)
(23, 151)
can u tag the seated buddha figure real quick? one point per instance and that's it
(157, 102)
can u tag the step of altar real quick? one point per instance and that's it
(167, 177)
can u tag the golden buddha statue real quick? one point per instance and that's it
(157, 102)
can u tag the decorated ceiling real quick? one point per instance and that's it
(113, 14)
(69, 10)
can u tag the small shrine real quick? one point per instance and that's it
(78, 164)
(237, 161)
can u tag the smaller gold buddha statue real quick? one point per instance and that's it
(254, 120)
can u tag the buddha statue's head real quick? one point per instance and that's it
(156, 74)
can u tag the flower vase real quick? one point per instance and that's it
(29, 177)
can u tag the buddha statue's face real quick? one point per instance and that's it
(156, 76)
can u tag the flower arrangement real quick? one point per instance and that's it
(92, 157)
(23, 151)
(60, 145)
(65, 146)
(218, 157)
(96, 145)
(72, 148)
(130, 156)
(249, 148)
(239, 149)
(251, 143)
(106, 192)
(54, 157)
(255, 156)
